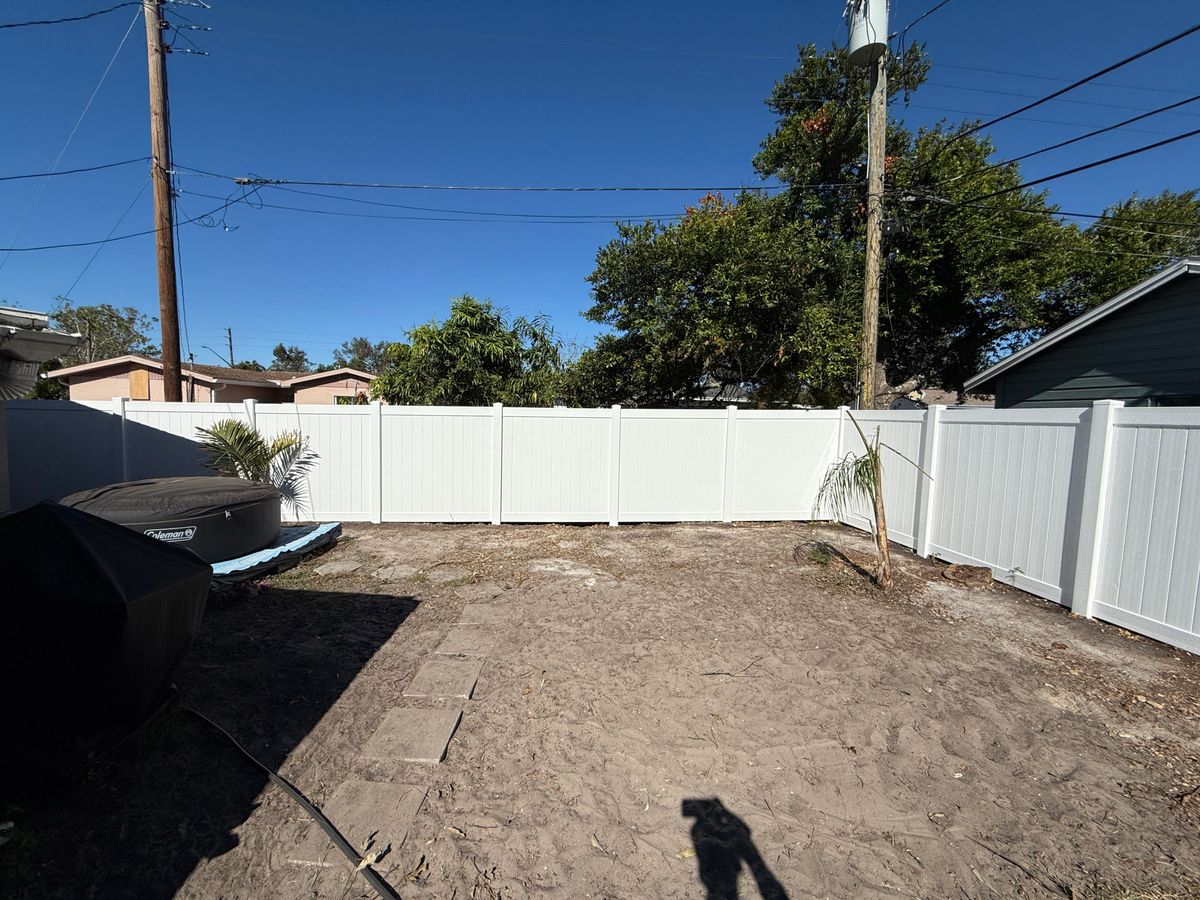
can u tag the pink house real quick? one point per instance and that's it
(140, 378)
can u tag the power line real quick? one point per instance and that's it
(924, 15)
(1075, 84)
(124, 162)
(91, 15)
(1075, 140)
(123, 237)
(42, 187)
(1092, 250)
(496, 221)
(473, 212)
(1043, 211)
(978, 90)
(1091, 165)
(601, 46)
(116, 225)
(255, 181)
(1036, 77)
(973, 112)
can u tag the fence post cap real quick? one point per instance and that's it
(1108, 403)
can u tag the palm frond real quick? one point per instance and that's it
(850, 479)
(290, 466)
(235, 449)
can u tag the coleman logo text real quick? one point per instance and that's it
(172, 535)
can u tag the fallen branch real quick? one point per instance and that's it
(1048, 883)
(740, 673)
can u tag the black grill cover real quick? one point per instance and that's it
(215, 517)
(95, 620)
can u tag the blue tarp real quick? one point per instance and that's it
(293, 542)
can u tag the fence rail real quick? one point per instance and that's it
(1097, 509)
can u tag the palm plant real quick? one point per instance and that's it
(861, 478)
(236, 449)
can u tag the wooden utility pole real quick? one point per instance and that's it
(876, 149)
(160, 151)
(229, 334)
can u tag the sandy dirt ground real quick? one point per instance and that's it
(670, 711)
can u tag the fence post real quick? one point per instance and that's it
(614, 467)
(840, 451)
(730, 444)
(926, 483)
(377, 460)
(251, 413)
(497, 461)
(1094, 505)
(126, 463)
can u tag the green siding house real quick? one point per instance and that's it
(1142, 347)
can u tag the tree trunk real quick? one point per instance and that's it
(884, 577)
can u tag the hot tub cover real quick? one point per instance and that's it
(213, 516)
(95, 620)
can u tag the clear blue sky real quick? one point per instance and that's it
(534, 93)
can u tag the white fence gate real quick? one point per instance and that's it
(1096, 509)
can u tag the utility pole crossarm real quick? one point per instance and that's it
(161, 175)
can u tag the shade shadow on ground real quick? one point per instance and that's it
(267, 669)
(723, 845)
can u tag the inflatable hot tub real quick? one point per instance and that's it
(215, 517)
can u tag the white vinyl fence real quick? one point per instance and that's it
(1097, 509)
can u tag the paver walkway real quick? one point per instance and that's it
(373, 815)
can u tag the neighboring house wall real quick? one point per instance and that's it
(127, 380)
(319, 391)
(235, 393)
(1144, 354)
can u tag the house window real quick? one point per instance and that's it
(344, 399)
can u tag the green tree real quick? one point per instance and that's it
(737, 294)
(474, 357)
(767, 294)
(105, 330)
(1125, 247)
(963, 279)
(250, 365)
(289, 359)
(361, 353)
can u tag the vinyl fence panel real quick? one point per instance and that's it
(162, 438)
(437, 464)
(672, 465)
(1149, 578)
(1004, 489)
(779, 460)
(55, 448)
(556, 465)
(901, 432)
(344, 482)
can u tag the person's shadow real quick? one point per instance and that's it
(723, 844)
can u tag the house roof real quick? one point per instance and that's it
(1188, 266)
(203, 373)
(215, 374)
(328, 373)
